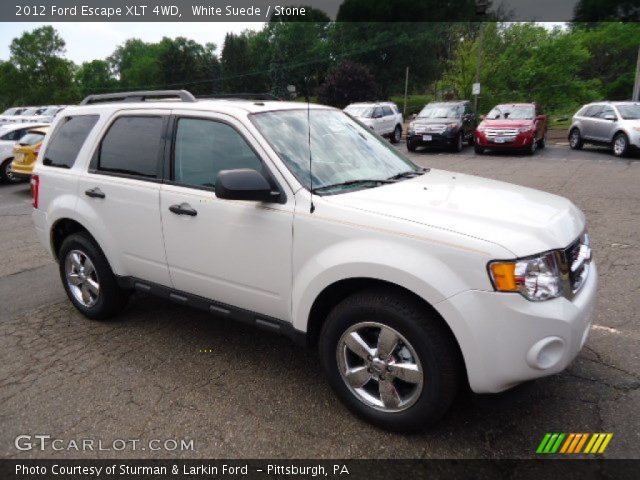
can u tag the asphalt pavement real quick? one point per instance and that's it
(161, 371)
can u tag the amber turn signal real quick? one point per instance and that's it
(503, 275)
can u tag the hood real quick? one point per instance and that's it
(505, 123)
(522, 220)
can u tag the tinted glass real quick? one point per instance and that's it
(386, 111)
(204, 147)
(606, 111)
(593, 111)
(12, 135)
(67, 139)
(131, 146)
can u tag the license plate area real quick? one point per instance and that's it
(503, 139)
(427, 138)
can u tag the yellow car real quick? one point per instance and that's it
(26, 152)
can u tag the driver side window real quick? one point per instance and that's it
(205, 147)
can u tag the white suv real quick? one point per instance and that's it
(384, 118)
(410, 281)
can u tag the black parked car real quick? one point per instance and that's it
(443, 124)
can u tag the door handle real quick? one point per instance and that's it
(94, 193)
(183, 209)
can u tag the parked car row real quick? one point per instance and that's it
(41, 114)
(513, 126)
(19, 146)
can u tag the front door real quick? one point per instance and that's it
(234, 252)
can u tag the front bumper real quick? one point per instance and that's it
(446, 139)
(506, 339)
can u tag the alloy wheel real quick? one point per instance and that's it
(619, 145)
(82, 278)
(380, 367)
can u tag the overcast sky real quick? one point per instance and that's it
(92, 40)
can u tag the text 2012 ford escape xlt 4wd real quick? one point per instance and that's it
(409, 281)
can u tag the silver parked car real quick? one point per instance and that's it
(615, 124)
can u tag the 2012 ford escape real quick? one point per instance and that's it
(411, 282)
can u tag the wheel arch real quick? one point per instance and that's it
(62, 228)
(336, 292)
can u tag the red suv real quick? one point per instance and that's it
(513, 126)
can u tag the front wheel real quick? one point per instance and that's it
(542, 142)
(411, 146)
(531, 150)
(6, 175)
(88, 279)
(457, 145)
(575, 139)
(478, 149)
(620, 145)
(390, 360)
(396, 136)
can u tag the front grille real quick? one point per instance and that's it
(578, 260)
(437, 128)
(500, 132)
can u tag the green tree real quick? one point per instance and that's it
(185, 63)
(95, 77)
(137, 65)
(44, 75)
(349, 82)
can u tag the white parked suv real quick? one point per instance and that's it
(411, 282)
(384, 118)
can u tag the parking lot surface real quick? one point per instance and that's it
(162, 371)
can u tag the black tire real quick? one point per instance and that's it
(533, 147)
(5, 172)
(621, 145)
(428, 337)
(575, 139)
(411, 146)
(458, 143)
(479, 150)
(396, 135)
(542, 142)
(110, 298)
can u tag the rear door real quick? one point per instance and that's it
(121, 190)
(236, 253)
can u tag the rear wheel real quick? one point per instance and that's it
(542, 142)
(6, 175)
(620, 145)
(396, 136)
(390, 360)
(575, 139)
(88, 279)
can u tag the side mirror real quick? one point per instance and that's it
(610, 116)
(244, 184)
(541, 118)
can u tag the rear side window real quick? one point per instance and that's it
(132, 146)
(67, 140)
(13, 135)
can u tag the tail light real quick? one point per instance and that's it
(35, 190)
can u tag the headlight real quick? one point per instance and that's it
(536, 278)
(526, 129)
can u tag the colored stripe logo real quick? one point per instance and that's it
(572, 443)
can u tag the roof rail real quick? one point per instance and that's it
(139, 96)
(239, 96)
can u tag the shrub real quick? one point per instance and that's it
(349, 82)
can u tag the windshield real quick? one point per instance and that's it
(29, 111)
(629, 112)
(512, 112)
(436, 110)
(359, 111)
(50, 111)
(342, 150)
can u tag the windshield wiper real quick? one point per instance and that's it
(352, 182)
(407, 174)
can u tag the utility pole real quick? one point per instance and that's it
(636, 85)
(478, 66)
(406, 87)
